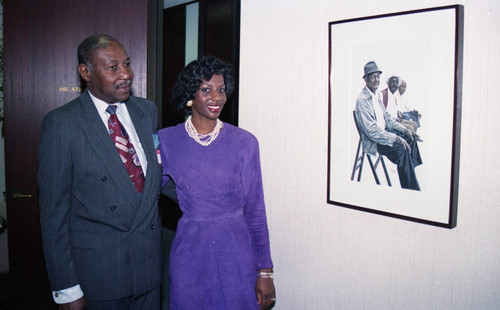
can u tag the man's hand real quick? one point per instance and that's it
(403, 142)
(400, 116)
(79, 304)
(410, 132)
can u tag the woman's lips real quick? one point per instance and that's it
(214, 108)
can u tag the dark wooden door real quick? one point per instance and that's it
(40, 73)
(218, 35)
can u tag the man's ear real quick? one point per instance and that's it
(84, 72)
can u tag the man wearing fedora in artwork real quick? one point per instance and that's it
(382, 134)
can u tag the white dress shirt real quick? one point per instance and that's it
(377, 106)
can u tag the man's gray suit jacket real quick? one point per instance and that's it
(97, 230)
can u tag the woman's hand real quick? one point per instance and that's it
(266, 294)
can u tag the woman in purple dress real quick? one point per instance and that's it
(220, 257)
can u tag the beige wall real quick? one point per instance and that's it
(328, 257)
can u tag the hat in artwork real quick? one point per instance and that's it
(371, 67)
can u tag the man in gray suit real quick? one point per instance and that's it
(100, 224)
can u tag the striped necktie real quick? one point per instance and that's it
(125, 148)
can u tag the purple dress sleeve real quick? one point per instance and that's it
(255, 210)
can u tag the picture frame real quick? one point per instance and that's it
(424, 48)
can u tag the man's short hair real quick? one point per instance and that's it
(87, 48)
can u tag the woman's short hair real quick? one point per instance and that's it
(191, 77)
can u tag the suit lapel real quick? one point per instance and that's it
(143, 129)
(98, 137)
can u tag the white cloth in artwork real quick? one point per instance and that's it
(393, 104)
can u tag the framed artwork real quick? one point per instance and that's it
(416, 56)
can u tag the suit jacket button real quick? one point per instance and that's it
(152, 226)
(113, 208)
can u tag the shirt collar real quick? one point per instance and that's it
(101, 105)
(370, 92)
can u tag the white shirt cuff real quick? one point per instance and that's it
(67, 295)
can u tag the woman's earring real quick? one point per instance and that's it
(189, 103)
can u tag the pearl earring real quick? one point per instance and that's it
(189, 103)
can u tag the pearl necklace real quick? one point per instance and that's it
(204, 140)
